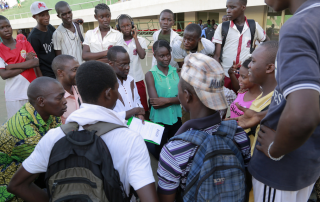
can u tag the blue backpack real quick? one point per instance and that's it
(217, 173)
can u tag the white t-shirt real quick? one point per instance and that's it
(94, 40)
(68, 42)
(16, 87)
(135, 62)
(237, 46)
(128, 149)
(128, 97)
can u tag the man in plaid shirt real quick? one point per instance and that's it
(199, 74)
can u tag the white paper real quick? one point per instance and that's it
(148, 131)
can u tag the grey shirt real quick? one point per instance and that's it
(297, 69)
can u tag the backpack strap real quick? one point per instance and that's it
(100, 127)
(196, 137)
(227, 128)
(103, 127)
(252, 26)
(79, 32)
(72, 126)
(224, 33)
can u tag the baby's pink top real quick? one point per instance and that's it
(234, 111)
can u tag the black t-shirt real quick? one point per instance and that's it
(240, 28)
(43, 46)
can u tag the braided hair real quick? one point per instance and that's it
(101, 7)
(161, 43)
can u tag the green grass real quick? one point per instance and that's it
(25, 10)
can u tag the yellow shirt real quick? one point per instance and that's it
(258, 105)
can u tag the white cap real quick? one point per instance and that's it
(38, 7)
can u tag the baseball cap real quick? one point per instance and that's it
(206, 76)
(38, 7)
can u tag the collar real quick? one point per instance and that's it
(91, 114)
(201, 123)
(232, 23)
(97, 30)
(262, 101)
(200, 46)
(67, 94)
(156, 69)
(306, 5)
(63, 29)
(35, 116)
(7, 48)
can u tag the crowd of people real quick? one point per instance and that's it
(70, 94)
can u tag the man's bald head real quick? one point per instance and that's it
(41, 86)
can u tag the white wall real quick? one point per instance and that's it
(140, 8)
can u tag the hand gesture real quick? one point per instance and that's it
(139, 111)
(141, 117)
(79, 21)
(265, 137)
(134, 32)
(234, 68)
(248, 120)
(30, 56)
(158, 102)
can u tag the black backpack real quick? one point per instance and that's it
(81, 169)
(225, 30)
(209, 33)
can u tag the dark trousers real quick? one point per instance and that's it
(169, 132)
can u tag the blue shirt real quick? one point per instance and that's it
(297, 68)
(203, 34)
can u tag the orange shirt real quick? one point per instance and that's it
(73, 103)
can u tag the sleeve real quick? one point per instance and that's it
(2, 64)
(38, 161)
(217, 38)
(203, 33)
(120, 41)
(137, 100)
(297, 66)
(56, 38)
(143, 43)
(177, 52)
(87, 38)
(242, 140)
(139, 167)
(209, 46)
(169, 172)
(260, 34)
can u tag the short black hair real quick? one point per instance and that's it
(194, 28)
(3, 18)
(244, 2)
(246, 63)
(39, 87)
(101, 7)
(208, 20)
(59, 5)
(272, 50)
(161, 43)
(59, 62)
(200, 20)
(167, 11)
(113, 51)
(92, 78)
(122, 17)
(187, 86)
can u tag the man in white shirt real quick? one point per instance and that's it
(191, 43)
(68, 37)
(238, 40)
(98, 88)
(128, 103)
(98, 41)
(166, 22)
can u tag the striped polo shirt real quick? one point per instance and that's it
(176, 157)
